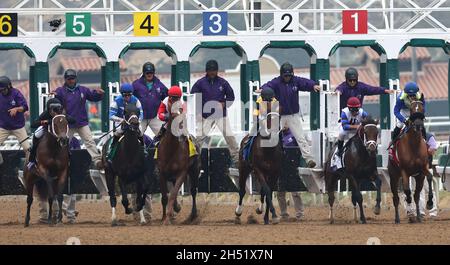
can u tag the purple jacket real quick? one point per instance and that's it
(150, 99)
(287, 93)
(74, 103)
(12, 100)
(217, 90)
(360, 90)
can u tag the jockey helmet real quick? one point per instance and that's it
(54, 105)
(267, 94)
(148, 67)
(70, 73)
(351, 74)
(411, 88)
(286, 69)
(126, 88)
(175, 91)
(212, 65)
(353, 102)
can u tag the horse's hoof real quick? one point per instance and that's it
(377, 210)
(429, 206)
(258, 211)
(128, 211)
(397, 221)
(276, 220)
(331, 221)
(419, 219)
(177, 207)
(412, 220)
(166, 222)
(26, 225)
(363, 221)
(142, 223)
(117, 223)
(237, 220)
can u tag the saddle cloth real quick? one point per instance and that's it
(246, 151)
(336, 161)
(192, 149)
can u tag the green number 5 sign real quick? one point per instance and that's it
(78, 24)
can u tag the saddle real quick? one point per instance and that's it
(192, 149)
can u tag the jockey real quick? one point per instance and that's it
(53, 108)
(117, 113)
(351, 118)
(401, 110)
(268, 97)
(163, 111)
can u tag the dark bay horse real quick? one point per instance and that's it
(128, 164)
(50, 174)
(265, 162)
(412, 161)
(360, 163)
(175, 163)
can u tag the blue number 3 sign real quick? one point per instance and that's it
(215, 23)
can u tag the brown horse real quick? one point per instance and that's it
(50, 174)
(360, 163)
(175, 164)
(265, 162)
(412, 160)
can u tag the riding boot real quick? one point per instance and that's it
(340, 147)
(112, 149)
(395, 133)
(32, 157)
(141, 140)
(160, 134)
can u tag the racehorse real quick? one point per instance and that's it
(360, 163)
(175, 163)
(128, 164)
(265, 162)
(50, 173)
(411, 151)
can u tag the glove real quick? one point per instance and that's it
(166, 116)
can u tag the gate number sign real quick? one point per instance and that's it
(146, 24)
(215, 23)
(354, 21)
(78, 24)
(8, 25)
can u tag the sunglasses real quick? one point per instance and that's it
(175, 98)
(149, 73)
(352, 81)
(354, 109)
(126, 94)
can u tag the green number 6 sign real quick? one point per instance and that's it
(78, 24)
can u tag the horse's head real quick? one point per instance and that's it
(132, 117)
(60, 129)
(369, 133)
(271, 122)
(417, 115)
(174, 107)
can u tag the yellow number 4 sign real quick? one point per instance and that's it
(146, 24)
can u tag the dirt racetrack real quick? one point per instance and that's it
(216, 226)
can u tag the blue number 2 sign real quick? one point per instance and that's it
(215, 23)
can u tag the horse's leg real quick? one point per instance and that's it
(331, 186)
(125, 201)
(430, 190)
(407, 191)
(59, 192)
(269, 201)
(30, 188)
(419, 185)
(260, 208)
(359, 199)
(244, 171)
(163, 187)
(174, 193)
(377, 209)
(194, 175)
(110, 183)
(393, 178)
(140, 200)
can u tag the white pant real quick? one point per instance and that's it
(298, 204)
(294, 123)
(86, 135)
(20, 134)
(405, 113)
(223, 123)
(154, 124)
(422, 202)
(345, 134)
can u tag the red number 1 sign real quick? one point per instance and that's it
(354, 21)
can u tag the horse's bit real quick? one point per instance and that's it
(369, 142)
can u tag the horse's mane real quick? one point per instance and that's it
(131, 108)
(368, 120)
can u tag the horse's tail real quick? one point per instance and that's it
(42, 189)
